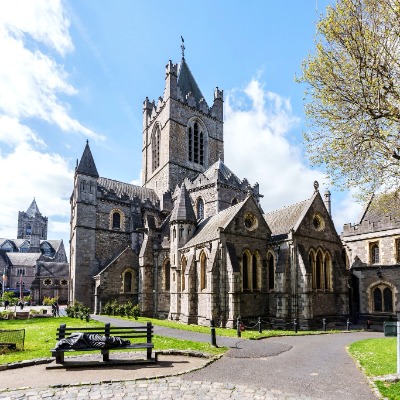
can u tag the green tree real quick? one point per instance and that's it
(353, 95)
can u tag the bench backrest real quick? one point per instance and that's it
(124, 332)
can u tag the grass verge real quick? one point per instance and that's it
(378, 357)
(40, 338)
(228, 332)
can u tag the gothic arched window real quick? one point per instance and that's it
(200, 208)
(28, 230)
(254, 273)
(155, 142)
(327, 272)
(128, 282)
(183, 274)
(374, 249)
(271, 272)
(116, 220)
(246, 275)
(203, 275)
(387, 300)
(234, 201)
(196, 145)
(319, 267)
(377, 300)
(167, 275)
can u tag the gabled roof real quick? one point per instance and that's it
(283, 220)
(33, 209)
(208, 229)
(183, 209)
(24, 259)
(127, 190)
(86, 165)
(55, 244)
(187, 83)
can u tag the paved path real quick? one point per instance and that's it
(301, 367)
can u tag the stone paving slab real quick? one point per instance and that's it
(168, 389)
(39, 377)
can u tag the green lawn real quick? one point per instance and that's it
(378, 357)
(40, 338)
(247, 334)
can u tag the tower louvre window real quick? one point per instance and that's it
(190, 144)
(196, 143)
(155, 141)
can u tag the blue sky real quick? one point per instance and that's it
(81, 70)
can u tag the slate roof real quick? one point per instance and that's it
(187, 83)
(33, 209)
(25, 259)
(86, 165)
(283, 220)
(374, 213)
(17, 243)
(183, 209)
(52, 269)
(219, 171)
(122, 189)
(208, 229)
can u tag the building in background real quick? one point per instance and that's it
(373, 250)
(31, 262)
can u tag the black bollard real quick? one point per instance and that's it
(239, 333)
(324, 324)
(369, 324)
(213, 336)
(348, 325)
(295, 325)
(259, 325)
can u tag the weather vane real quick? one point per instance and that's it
(183, 47)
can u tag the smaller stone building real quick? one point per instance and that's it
(32, 262)
(373, 251)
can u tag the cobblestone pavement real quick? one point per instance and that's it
(171, 388)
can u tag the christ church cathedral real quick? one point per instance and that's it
(192, 243)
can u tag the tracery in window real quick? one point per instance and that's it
(321, 267)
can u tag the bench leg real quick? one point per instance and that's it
(149, 353)
(59, 358)
(106, 355)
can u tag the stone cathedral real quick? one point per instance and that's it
(192, 243)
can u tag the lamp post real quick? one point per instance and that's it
(155, 290)
(398, 337)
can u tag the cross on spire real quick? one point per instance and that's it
(183, 47)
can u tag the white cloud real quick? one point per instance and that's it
(28, 173)
(34, 35)
(257, 135)
(257, 146)
(31, 80)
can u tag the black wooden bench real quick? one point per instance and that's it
(135, 334)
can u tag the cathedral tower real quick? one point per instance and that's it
(83, 201)
(182, 135)
(32, 226)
